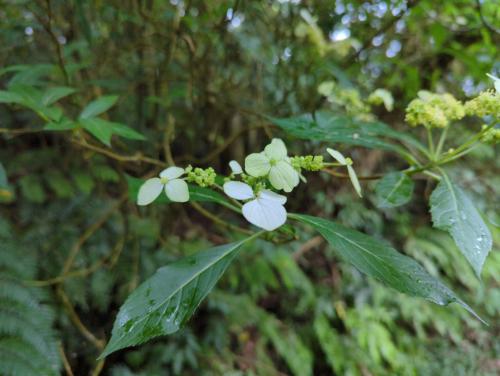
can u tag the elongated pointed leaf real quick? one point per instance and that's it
(453, 211)
(10, 97)
(99, 130)
(164, 302)
(53, 94)
(326, 126)
(394, 189)
(383, 262)
(98, 106)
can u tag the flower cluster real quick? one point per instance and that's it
(348, 98)
(307, 162)
(491, 136)
(382, 96)
(434, 110)
(199, 176)
(170, 181)
(265, 173)
(486, 103)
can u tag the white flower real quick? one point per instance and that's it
(496, 81)
(235, 167)
(346, 162)
(264, 210)
(176, 189)
(274, 162)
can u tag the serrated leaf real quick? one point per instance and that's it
(98, 106)
(53, 94)
(453, 211)
(164, 302)
(196, 193)
(394, 189)
(326, 126)
(382, 262)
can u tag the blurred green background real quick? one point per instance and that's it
(193, 77)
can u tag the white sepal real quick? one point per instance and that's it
(337, 156)
(266, 214)
(149, 191)
(235, 167)
(177, 190)
(238, 190)
(172, 172)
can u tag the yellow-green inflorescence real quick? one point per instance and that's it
(434, 110)
(491, 136)
(485, 104)
(307, 162)
(202, 177)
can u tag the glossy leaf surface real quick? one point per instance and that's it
(382, 262)
(453, 211)
(164, 302)
(394, 189)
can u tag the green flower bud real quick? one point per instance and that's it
(307, 162)
(486, 103)
(491, 136)
(202, 177)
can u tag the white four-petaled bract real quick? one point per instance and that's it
(175, 188)
(347, 162)
(274, 163)
(235, 167)
(264, 210)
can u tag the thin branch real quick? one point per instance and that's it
(67, 366)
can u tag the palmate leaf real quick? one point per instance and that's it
(326, 126)
(164, 302)
(383, 262)
(453, 211)
(394, 189)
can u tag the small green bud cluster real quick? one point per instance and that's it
(491, 136)
(381, 96)
(486, 103)
(348, 98)
(202, 177)
(434, 110)
(307, 162)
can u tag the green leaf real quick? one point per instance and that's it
(164, 302)
(330, 342)
(31, 189)
(394, 189)
(64, 124)
(196, 193)
(103, 130)
(3, 177)
(453, 211)
(10, 97)
(53, 94)
(380, 261)
(5, 190)
(99, 129)
(98, 106)
(125, 131)
(328, 127)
